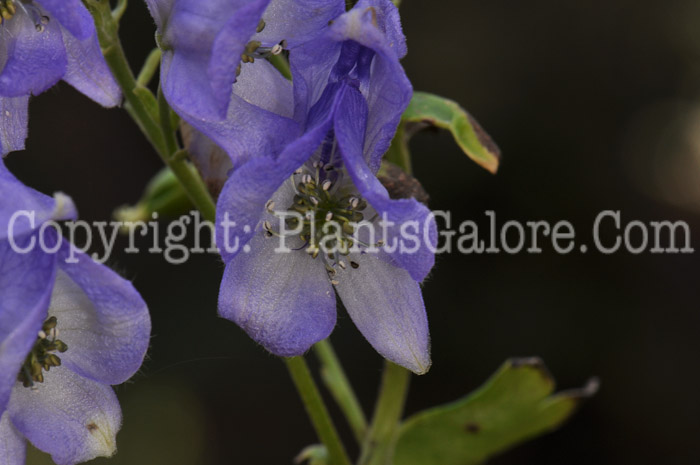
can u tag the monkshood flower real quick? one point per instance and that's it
(207, 44)
(67, 332)
(42, 42)
(349, 93)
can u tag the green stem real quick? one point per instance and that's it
(316, 410)
(166, 123)
(119, 10)
(337, 383)
(379, 446)
(140, 103)
(149, 68)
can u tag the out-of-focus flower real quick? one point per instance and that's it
(42, 42)
(349, 93)
(67, 332)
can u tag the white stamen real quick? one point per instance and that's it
(299, 171)
(276, 50)
(342, 265)
(314, 200)
(42, 334)
(270, 206)
(329, 216)
(267, 225)
(326, 185)
(354, 202)
(335, 282)
(306, 179)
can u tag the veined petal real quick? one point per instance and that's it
(13, 447)
(87, 70)
(72, 15)
(284, 301)
(23, 209)
(26, 281)
(386, 305)
(35, 60)
(101, 317)
(70, 417)
(408, 215)
(259, 115)
(13, 123)
(297, 21)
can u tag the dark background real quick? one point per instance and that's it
(595, 106)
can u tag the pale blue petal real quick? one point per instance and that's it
(70, 417)
(284, 301)
(35, 60)
(13, 447)
(297, 21)
(88, 72)
(101, 317)
(386, 305)
(13, 123)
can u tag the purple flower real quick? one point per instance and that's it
(206, 43)
(42, 42)
(67, 332)
(348, 96)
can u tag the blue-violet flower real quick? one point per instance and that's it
(349, 91)
(67, 332)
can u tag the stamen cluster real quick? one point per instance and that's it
(42, 356)
(324, 218)
(254, 49)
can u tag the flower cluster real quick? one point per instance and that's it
(310, 145)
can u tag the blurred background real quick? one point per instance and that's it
(596, 105)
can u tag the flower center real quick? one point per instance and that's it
(8, 9)
(325, 215)
(42, 356)
(254, 49)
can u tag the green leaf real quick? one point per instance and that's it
(316, 454)
(514, 405)
(443, 113)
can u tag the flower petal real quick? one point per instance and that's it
(160, 10)
(297, 21)
(87, 70)
(251, 186)
(13, 447)
(13, 123)
(375, 24)
(386, 305)
(284, 301)
(101, 317)
(70, 417)
(259, 115)
(35, 61)
(26, 281)
(29, 207)
(408, 215)
(72, 15)
(203, 43)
